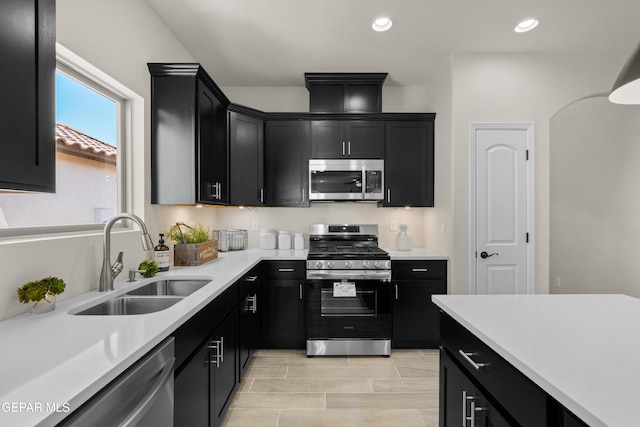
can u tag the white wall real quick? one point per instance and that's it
(595, 202)
(516, 88)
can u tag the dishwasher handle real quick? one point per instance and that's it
(150, 398)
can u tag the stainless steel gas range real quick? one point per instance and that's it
(348, 291)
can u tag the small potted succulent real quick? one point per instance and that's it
(193, 246)
(41, 292)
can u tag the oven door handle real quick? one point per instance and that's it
(384, 275)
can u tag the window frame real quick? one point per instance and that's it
(130, 146)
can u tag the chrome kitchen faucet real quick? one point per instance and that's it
(109, 272)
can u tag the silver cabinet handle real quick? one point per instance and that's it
(388, 195)
(343, 148)
(304, 193)
(253, 303)
(300, 290)
(151, 397)
(285, 270)
(262, 195)
(349, 148)
(474, 365)
(221, 349)
(396, 285)
(215, 345)
(419, 270)
(251, 279)
(472, 415)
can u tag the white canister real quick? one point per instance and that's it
(298, 241)
(267, 238)
(284, 239)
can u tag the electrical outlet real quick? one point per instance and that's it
(557, 282)
(255, 224)
(393, 226)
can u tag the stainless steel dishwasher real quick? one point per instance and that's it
(142, 396)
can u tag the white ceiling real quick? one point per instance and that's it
(274, 42)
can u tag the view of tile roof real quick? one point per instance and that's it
(74, 138)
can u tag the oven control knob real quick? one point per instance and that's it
(365, 264)
(330, 264)
(347, 264)
(319, 264)
(382, 264)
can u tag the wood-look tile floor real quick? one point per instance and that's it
(284, 388)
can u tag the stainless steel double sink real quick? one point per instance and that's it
(150, 298)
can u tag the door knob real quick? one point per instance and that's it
(484, 254)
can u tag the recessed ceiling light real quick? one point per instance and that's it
(382, 24)
(526, 25)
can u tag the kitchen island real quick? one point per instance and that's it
(581, 350)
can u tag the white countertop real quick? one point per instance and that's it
(415, 254)
(583, 350)
(59, 358)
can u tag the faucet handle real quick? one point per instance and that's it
(117, 266)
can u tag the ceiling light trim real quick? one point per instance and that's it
(526, 25)
(382, 23)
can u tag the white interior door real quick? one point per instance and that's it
(501, 217)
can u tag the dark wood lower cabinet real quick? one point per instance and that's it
(415, 316)
(191, 391)
(282, 323)
(223, 368)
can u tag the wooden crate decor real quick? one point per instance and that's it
(194, 254)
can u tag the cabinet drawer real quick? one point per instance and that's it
(521, 398)
(409, 270)
(286, 269)
(247, 282)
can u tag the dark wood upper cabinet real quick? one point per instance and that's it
(27, 104)
(246, 159)
(287, 162)
(189, 147)
(340, 139)
(345, 92)
(409, 163)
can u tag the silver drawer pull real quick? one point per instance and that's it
(251, 279)
(285, 270)
(419, 270)
(467, 357)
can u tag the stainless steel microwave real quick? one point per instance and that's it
(346, 179)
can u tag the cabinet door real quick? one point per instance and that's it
(282, 324)
(365, 139)
(356, 139)
(415, 316)
(212, 148)
(328, 139)
(409, 163)
(224, 372)
(27, 106)
(191, 391)
(287, 163)
(246, 160)
(249, 326)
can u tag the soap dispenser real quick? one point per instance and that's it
(161, 254)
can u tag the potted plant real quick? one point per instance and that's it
(193, 246)
(42, 292)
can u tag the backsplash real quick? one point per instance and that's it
(299, 219)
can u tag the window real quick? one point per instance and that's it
(93, 131)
